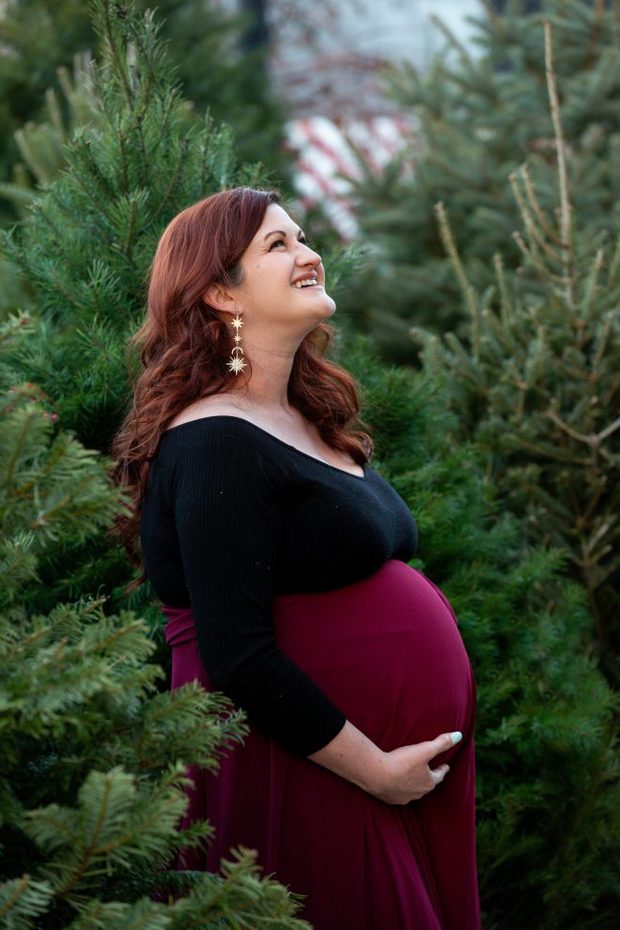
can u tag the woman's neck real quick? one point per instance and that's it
(267, 388)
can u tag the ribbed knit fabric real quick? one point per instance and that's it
(234, 516)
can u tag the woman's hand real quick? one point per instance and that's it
(396, 777)
(405, 773)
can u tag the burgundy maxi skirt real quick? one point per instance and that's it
(387, 651)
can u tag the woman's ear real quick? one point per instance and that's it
(219, 298)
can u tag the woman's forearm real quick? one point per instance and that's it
(399, 776)
(354, 757)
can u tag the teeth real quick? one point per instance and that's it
(305, 283)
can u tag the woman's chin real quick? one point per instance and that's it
(329, 306)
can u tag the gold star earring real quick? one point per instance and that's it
(237, 362)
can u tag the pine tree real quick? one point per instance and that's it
(89, 239)
(535, 381)
(41, 147)
(547, 763)
(478, 117)
(92, 757)
(205, 45)
(41, 144)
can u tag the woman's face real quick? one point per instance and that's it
(274, 265)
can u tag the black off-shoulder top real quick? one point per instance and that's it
(233, 516)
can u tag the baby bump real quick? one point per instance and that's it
(386, 650)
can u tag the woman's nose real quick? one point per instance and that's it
(307, 255)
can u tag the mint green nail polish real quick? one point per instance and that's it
(456, 737)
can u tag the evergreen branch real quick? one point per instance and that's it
(133, 213)
(206, 152)
(598, 18)
(469, 293)
(590, 293)
(504, 303)
(534, 255)
(535, 205)
(546, 451)
(614, 264)
(452, 39)
(20, 444)
(610, 429)
(593, 439)
(566, 226)
(170, 101)
(602, 337)
(83, 147)
(21, 899)
(145, 160)
(530, 225)
(89, 849)
(124, 160)
(588, 546)
(102, 19)
(539, 265)
(173, 177)
(14, 327)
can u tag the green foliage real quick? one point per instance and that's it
(92, 755)
(53, 489)
(93, 782)
(206, 47)
(535, 382)
(547, 765)
(478, 118)
(89, 240)
(41, 145)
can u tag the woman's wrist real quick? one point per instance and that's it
(355, 757)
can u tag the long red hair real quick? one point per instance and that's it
(185, 345)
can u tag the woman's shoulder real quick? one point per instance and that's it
(218, 433)
(220, 415)
(217, 451)
(206, 432)
(205, 408)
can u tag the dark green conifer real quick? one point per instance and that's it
(205, 46)
(478, 116)
(92, 757)
(535, 379)
(89, 239)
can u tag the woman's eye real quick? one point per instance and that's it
(303, 241)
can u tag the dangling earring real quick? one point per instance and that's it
(236, 363)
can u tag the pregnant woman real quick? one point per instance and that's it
(280, 557)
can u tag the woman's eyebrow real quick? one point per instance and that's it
(281, 232)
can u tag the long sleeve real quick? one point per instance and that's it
(228, 522)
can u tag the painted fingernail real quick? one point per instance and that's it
(456, 737)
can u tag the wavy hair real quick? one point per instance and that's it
(184, 346)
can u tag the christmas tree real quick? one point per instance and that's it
(478, 115)
(41, 144)
(89, 239)
(206, 45)
(535, 379)
(93, 758)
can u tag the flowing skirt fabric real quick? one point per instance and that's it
(387, 651)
